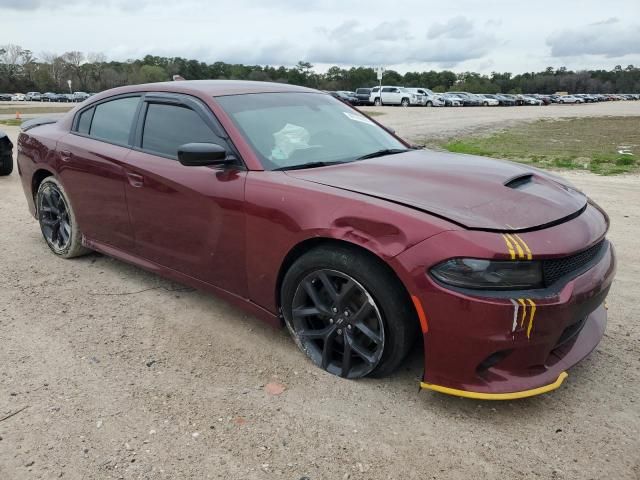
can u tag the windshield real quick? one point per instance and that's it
(294, 129)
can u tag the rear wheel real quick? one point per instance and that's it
(57, 220)
(429, 103)
(6, 165)
(405, 102)
(347, 312)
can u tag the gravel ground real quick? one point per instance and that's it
(119, 374)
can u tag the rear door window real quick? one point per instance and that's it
(167, 127)
(112, 120)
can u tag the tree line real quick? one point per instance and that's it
(22, 71)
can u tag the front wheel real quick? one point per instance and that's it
(58, 221)
(404, 102)
(347, 312)
(429, 103)
(377, 102)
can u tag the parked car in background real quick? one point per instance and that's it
(429, 97)
(18, 97)
(570, 99)
(516, 100)
(451, 100)
(390, 95)
(33, 96)
(501, 99)
(488, 101)
(5, 97)
(49, 97)
(346, 97)
(529, 100)
(363, 94)
(468, 99)
(80, 96)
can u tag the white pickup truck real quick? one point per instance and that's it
(389, 95)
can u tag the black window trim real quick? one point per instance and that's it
(76, 118)
(184, 101)
(145, 97)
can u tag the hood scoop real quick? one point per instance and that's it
(519, 181)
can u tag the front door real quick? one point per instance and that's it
(188, 219)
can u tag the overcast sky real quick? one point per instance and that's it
(513, 36)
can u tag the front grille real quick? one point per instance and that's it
(553, 270)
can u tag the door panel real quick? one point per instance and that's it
(93, 175)
(190, 219)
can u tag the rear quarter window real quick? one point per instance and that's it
(112, 120)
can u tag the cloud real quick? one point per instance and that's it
(390, 43)
(456, 27)
(607, 38)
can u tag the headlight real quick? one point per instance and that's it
(489, 274)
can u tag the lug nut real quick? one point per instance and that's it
(339, 332)
(334, 310)
(346, 313)
(331, 320)
(349, 327)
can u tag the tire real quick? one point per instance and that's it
(377, 102)
(6, 165)
(429, 103)
(368, 311)
(405, 102)
(560, 101)
(485, 104)
(58, 221)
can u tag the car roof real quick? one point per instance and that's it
(215, 88)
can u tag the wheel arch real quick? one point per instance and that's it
(309, 244)
(37, 178)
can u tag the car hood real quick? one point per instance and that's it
(474, 192)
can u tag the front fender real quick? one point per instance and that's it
(283, 212)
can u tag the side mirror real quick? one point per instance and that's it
(202, 154)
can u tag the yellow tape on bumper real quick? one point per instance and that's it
(497, 396)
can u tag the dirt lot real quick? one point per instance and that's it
(123, 375)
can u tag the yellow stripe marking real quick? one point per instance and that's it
(518, 247)
(510, 247)
(533, 314)
(497, 396)
(526, 247)
(524, 311)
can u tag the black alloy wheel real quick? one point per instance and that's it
(55, 222)
(338, 323)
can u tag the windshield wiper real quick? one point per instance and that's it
(307, 165)
(382, 153)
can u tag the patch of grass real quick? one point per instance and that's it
(373, 114)
(11, 122)
(594, 144)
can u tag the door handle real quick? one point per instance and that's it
(65, 155)
(135, 180)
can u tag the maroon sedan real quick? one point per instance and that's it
(303, 210)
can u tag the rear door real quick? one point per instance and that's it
(92, 172)
(188, 219)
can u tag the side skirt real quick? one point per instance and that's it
(243, 303)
